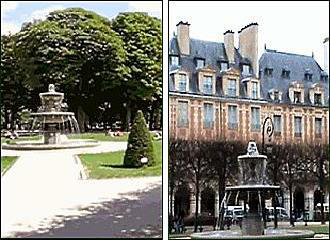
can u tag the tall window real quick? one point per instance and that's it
(255, 119)
(200, 63)
(182, 84)
(223, 66)
(297, 126)
(254, 90)
(231, 89)
(246, 69)
(207, 85)
(183, 114)
(318, 127)
(277, 125)
(317, 99)
(174, 61)
(297, 97)
(208, 115)
(232, 117)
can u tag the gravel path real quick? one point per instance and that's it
(41, 195)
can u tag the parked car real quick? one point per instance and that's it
(282, 214)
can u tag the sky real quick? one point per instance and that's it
(14, 13)
(295, 27)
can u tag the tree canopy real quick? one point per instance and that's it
(88, 58)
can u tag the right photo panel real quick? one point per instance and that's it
(248, 120)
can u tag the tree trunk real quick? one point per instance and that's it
(197, 206)
(290, 192)
(171, 201)
(151, 118)
(128, 117)
(81, 119)
(6, 118)
(321, 190)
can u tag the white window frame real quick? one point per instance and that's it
(184, 124)
(231, 90)
(255, 127)
(180, 80)
(234, 124)
(200, 61)
(206, 114)
(205, 80)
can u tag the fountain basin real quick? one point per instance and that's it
(270, 233)
(68, 144)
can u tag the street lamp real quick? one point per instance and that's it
(269, 126)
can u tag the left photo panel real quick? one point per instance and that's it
(81, 119)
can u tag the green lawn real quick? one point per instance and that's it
(110, 165)
(6, 163)
(315, 228)
(98, 137)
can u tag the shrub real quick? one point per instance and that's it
(139, 144)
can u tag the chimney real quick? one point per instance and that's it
(228, 37)
(248, 45)
(326, 55)
(183, 37)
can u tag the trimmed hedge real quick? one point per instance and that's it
(139, 144)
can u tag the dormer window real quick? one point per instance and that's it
(308, 76)
(269, 72)
(276, 96)
(285, 74)
(174, 60)
(231, 89)
(297, 97)
(254, 90)
(246, 69)
(208, 85)
(324, 78)
(318, 99)
(223, 66)
(200, 63)
(182, 84)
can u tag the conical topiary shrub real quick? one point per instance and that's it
(139, 144)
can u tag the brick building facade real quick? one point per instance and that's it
(219, 92)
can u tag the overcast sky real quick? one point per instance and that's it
(295, 27)
(14, 13)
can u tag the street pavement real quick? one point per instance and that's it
(42, 196)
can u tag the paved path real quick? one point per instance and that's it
(41, 195)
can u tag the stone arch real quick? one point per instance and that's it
(317, 197)
(208, 201)
(182, 200)
(299, 201)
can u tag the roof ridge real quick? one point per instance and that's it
(287, 53)
(205, 41)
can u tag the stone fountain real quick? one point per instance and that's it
(252, 190)
(54, 123)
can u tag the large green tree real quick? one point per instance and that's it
(142, 38)
(13, 92)
(78, 50)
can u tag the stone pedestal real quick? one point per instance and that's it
(252, 224)
(52, 137)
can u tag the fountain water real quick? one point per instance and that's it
(54, 122)
(252, 190)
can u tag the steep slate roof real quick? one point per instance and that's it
(298, 65)
(212, 52)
